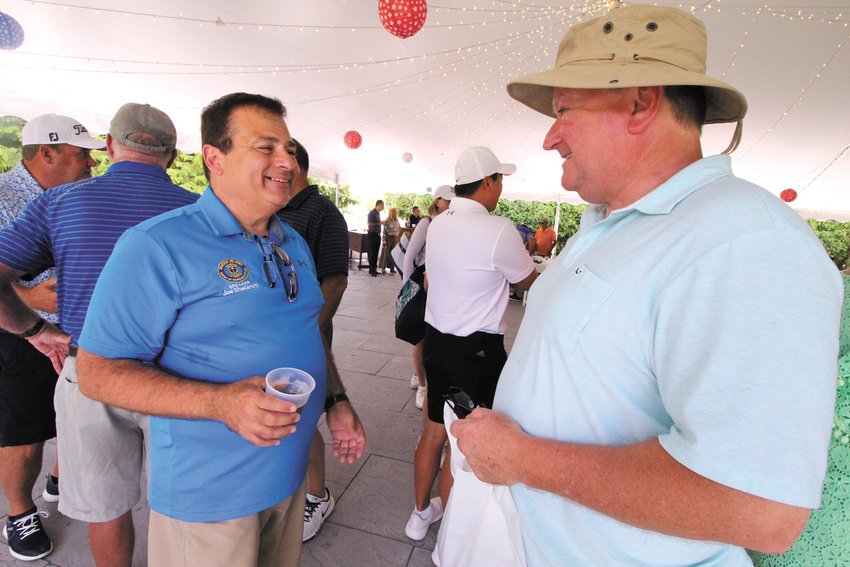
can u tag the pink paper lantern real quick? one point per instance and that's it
(353, 139)
(402, 18)
(788, 195)
(407, 157)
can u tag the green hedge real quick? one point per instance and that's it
(834, 235)
(519, 212)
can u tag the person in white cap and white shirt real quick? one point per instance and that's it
(56, 150)
(414, 258)
(669, 396)
(473, 259)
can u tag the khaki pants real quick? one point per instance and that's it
(271, 538)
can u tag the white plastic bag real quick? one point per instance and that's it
(400, 249)
(480, 525)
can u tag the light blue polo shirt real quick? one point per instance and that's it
(705, 315)
(186, 291)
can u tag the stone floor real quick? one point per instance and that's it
(374, 495)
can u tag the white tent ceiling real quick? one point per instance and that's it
(432, 94)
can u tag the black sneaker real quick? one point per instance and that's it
(26, 536)
(51, 489)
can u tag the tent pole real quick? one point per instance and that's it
(336, 190)
(557, 221)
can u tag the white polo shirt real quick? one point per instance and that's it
(472, 259)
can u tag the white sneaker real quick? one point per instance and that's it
(420, 396)
(414, 381)
(417, 526)
(315, 514)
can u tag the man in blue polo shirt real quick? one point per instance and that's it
(74, 228)
(192, 309)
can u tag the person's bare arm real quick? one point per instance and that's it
(349, 438)
(332, 289)
(528, 280)
(638, 484)
(17, 317)
(41, 297)
(243, 405)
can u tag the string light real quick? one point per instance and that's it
(799, 98)
(525, 36)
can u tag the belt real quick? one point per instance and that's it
(72, 350)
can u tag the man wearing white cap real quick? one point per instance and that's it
(473, 259)
(74, 228)
(56, 150)
(668, 399)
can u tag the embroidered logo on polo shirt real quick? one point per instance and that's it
(232, 270)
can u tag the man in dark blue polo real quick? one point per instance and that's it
(74, 228)
(326, 232)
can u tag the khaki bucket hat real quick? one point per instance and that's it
(635, 46)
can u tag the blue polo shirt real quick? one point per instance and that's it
(187, 291)
(74, 227)
(705, 316)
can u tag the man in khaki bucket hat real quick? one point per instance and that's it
(668, 399)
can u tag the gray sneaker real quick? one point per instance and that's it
(315, 514)
(51, 489)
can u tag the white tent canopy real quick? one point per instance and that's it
(432, 94)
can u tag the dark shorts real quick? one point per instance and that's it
(471, 363)
(27, 381)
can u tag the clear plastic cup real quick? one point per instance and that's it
(290, 384)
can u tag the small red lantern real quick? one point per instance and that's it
(353, 139)
(402, 18)
(407, 157)
(788, 195)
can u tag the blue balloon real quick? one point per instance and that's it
(11, 32)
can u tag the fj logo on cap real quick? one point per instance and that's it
(232, 270)
(54, 136)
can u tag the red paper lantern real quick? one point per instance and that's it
(407, 157)
(353, 139)
(788, 195)
(402, 18)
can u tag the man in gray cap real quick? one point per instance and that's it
(73, 228)
(56, 150)
(669, 396)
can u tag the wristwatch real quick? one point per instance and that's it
(32, 331)
(332, 400)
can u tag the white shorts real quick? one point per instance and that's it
(101, 453)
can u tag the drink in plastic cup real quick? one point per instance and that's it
(290, 384)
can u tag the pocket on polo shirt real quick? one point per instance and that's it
(580, 295)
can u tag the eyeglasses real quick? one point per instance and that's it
(460, 402)
(271, 268)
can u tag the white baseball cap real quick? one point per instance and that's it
(57, 129)
(446, 192)
(477, 162)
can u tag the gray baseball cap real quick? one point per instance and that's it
(135, 118)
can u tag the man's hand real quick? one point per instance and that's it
(41, 296)
(261, 419)
(52, 343)
(349, 439)
(488, 440)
